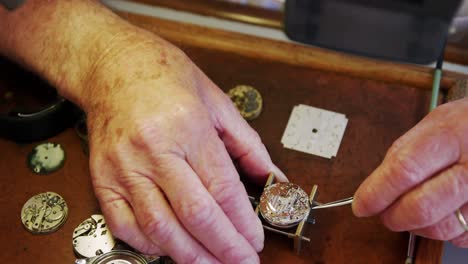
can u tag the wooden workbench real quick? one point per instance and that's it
(381, 101)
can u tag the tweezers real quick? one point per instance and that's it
(333, 204)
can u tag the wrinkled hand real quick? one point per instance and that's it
(162, 136)
(423, 179)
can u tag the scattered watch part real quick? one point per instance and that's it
(92, 237)
(118, 257)
(284, 204)
(248, 101)
(314, 131)
(46, 158)
(44, 213)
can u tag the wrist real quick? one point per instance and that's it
(137, 62)
(65, 42)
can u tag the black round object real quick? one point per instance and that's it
(45, 123)
(30, 109)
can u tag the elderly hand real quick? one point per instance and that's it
(162, 136)
(423, 179)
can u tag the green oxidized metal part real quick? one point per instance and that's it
(46, 158)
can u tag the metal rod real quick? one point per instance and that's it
(300, 227)
(437, 79)
(433, 104)
(290, 235)
(411, 247)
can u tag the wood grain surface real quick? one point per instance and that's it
(292, 54)
(226, 10)
(379, 108)
(272, 18)
(456, 53)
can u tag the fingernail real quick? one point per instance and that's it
(280, 176)
(258, 240)
(206, 261)
(356, 210)
(251, 260)
(258, 244)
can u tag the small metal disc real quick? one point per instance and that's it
(92, 237)
(46, 158)
(248, 101)
(120, 257)
(44, 213)
(284, 204)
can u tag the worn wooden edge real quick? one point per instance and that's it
(291, 53)
(456, 54)
(264, 17)
(226, 10)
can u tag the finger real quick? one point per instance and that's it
(448, 228)
(430, 202)
(121, 221)
(427, 150)
(214, 166)
(461, 241)
(242, 142)
(113, 202)
(245, 146)
(157, 220)
(200, 214)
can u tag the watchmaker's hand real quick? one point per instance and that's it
(161, 138)
(162, 135)
(423, 179)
